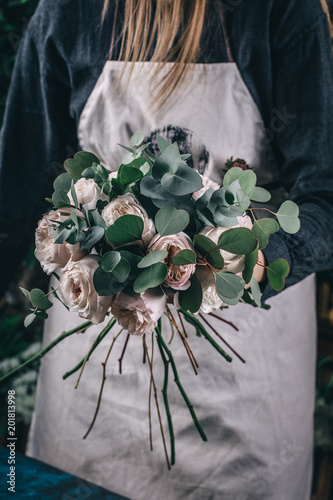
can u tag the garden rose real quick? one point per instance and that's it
(87, 193)
(210, 299)
(77, 291)
(232, 263)
(127, 204)
(140, 312)
(54, 255)
(207, 183)
(178, 276)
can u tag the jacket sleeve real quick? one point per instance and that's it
(303, 144)
(37, 132)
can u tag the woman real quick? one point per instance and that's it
(260, 88)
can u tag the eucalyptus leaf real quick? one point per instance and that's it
(96, 234)
(39, 299)
(152, 257)
(128, 174)
(110, 260)
(260, 194)
(63, 182)
(277, 271)
(105, 284)
(169, 220)
(209, 251)
(191, 299)
(60, 198)
(81, 161)
(184, 258)
(249, 263)
(26, 292)
(162, 143)
(150, 277)
(262, 228)
(166, 162)
(256, 292)
(29, 319)
(238, 241)
(184, 180)
(287, 216)
(125, 229)
(136, 139)
(228, 285)
(127, 158)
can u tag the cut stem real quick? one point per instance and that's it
(46, 349)
(156, 402)
(180, 387)
(102, 385)
(220, 337)
(204, 332)
(224, 321)
(122, 354)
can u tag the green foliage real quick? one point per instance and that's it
(208, 250)
(190, 299)
(238, 241)
(169, 220)
(277, 271)
(152, 257)
(150, 277)
(125, 229)
(81, 162)
(184, 258)
(262, 228)
(287, 216)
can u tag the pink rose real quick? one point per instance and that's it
(87, 193)
(138, 313)
(77, 291)
(178, 276)
(54, 255)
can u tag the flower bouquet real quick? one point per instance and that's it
(155, 232)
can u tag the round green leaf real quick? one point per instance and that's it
(121, 271)
(60, 198)
(125, 229)
(39, 299)
(287, 216)
(190, 299)
(228, 285)
(184, 258)
(96, 234)
(256, 292)
(136, 139)
(150, 277)
(109, 261)
(63, 182)
(262, 228)
(152, 258)
(105, 284)
(209, 251)
(249, 263)
(260, 194)
(82, 160)
(169, 220)
(127, 174)
(168, 161)
(277, 271)
(238, 240)
(183, 181)
(29, 319)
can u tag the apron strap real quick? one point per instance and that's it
(225, 33)
(114, 29)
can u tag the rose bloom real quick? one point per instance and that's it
(54, 255)
(207, 183)
(127, 204)
(87, 193)
(140, 312)
(77, 291)
(210, 299)
(232, 263)
(178, 276)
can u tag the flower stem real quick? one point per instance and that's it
(195, 321)
(180, 387)
(46, 349)
(100, 337)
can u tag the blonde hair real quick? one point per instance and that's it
(326, 10)
(141, 30)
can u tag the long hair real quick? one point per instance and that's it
(153, 36)
(326, 10)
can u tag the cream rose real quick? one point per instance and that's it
(127, 204)
(54, 255)
(138, 313)
(178, 276)
(232, 263)
(87, 193)
(207, 183)
(210, 299)
(77, 291)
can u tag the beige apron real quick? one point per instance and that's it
(258, 415)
